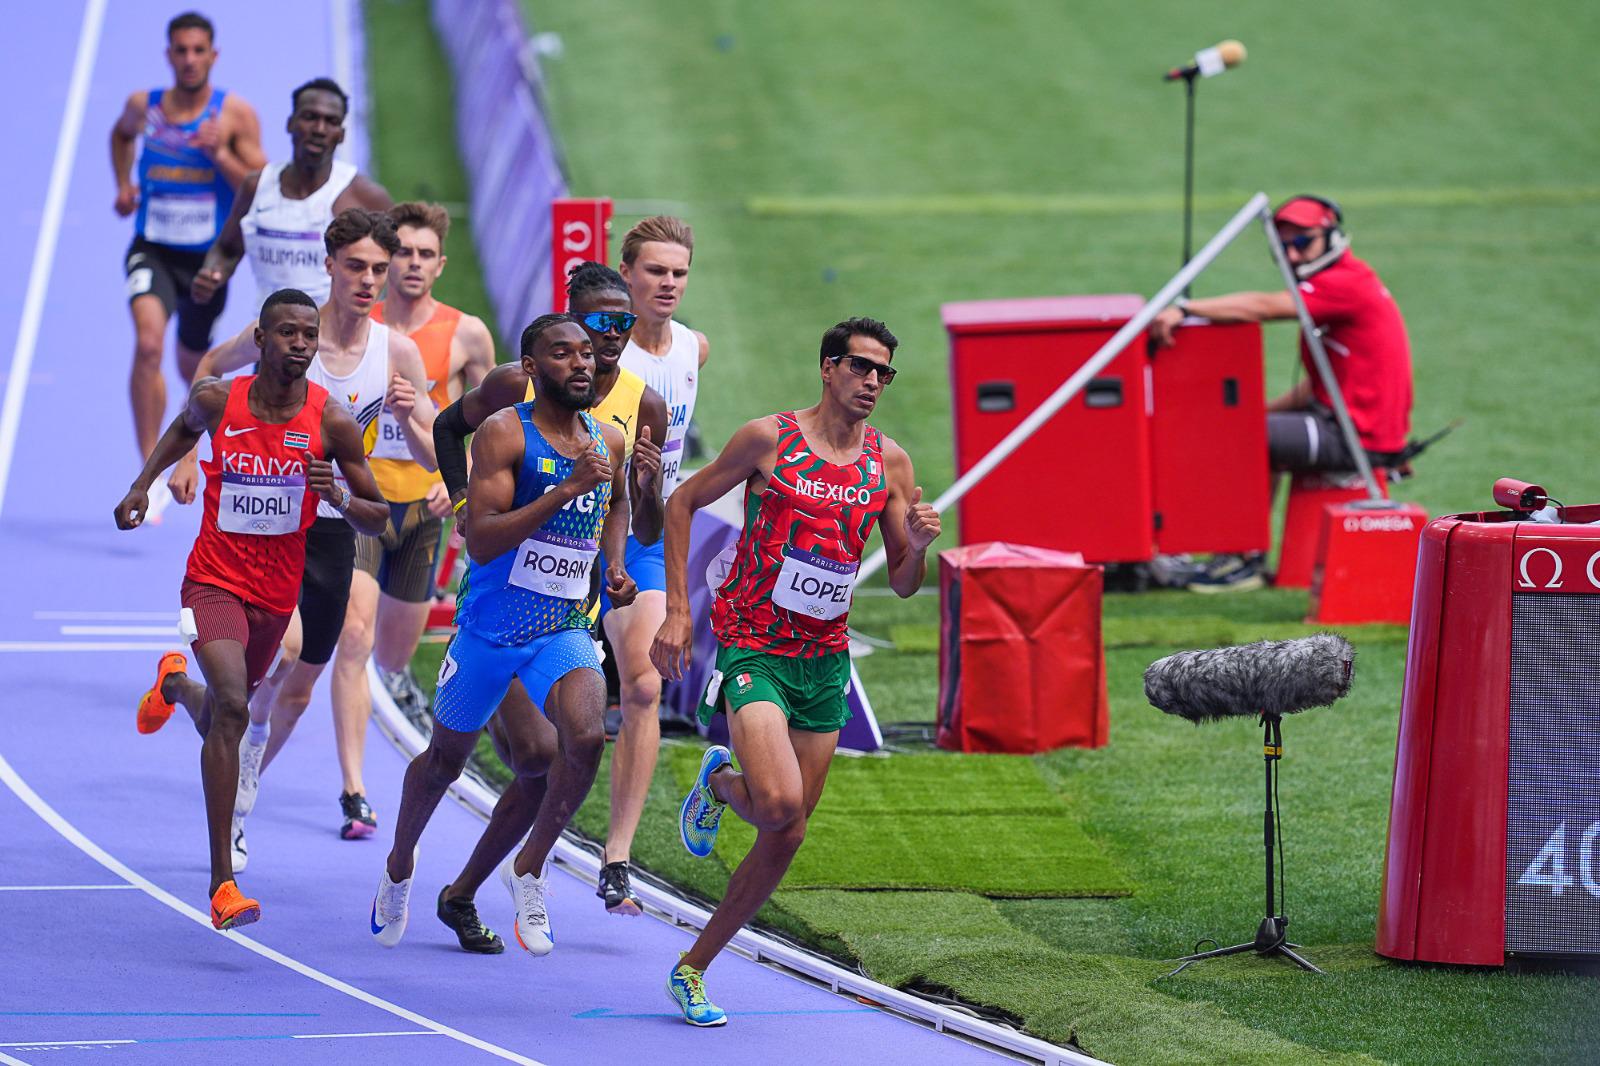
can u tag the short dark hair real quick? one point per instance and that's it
(536, 328)
(591, 277)
(326, 85)
(836, 342)
(282, 298)
(191, 20)
(354, 223)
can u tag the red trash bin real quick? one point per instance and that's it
(1021, 664)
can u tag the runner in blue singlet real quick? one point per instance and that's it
(547, 489)
(198, 144)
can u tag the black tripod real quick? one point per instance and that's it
(1273, 932)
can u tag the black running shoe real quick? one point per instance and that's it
(614, 890)
(461, 915)
(359, 821)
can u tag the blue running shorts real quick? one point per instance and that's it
(647, 565)
(476, 673)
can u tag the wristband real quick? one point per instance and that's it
(455, 508)
(1181, 304)
(344, 499)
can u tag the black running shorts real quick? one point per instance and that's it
(402, 557)
(325, 589)
(166, 273)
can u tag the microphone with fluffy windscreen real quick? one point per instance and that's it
(1265, 680)
(1269, 677)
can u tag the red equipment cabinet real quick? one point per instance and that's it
(1021, 662)
(1496, 805)
(1158, 453)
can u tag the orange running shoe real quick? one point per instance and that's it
(154, 710)
(231, 909)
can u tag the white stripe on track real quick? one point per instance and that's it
(32, 646)
(62, 888)
(119, 631)
(54, 820)
(7, 1060)
(44, 250)
(105, 616)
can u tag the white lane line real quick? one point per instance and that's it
(7, 1060)
(32, 646)
(64, 888)
(54, 820)
(105, 616)
(274, 1036)
(119, 631)
(44, 250)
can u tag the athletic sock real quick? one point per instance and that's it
(259, 733)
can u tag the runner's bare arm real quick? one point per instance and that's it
(472, 353)
(222, 258)
(614, 532)
(201, 414)
(124, 135)
(238, 152)
(231, 354)
(363, 506)
(363, 192)
(505, 385)
(750, 452)
(645, 489)
(409, 400)
(908, 525)
(494, 525)
(705, 346)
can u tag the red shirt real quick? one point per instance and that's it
(1366, 342)
(252, 538)
(788, 590)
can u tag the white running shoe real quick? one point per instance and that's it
(241, 854)
(250, 756)
(391, 907)
(528, 893)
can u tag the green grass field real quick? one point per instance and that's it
(842, 159)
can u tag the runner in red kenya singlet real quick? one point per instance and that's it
(816, 481)
(273, 438)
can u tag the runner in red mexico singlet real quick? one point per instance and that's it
(274, 439)
(816, 481)
(788, 589)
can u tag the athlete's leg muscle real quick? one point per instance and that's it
(633, 758)
(427, 779)
(223, 664)
(352, 696)
(147, 389)
(576, 705)
(399, 630)
(527, 744)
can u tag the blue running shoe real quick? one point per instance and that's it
(701, 809)
(687, 987)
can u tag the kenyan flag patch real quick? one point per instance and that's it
(293, 439)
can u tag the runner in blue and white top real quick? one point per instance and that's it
(547, 489)
(198, 143)
(670, 357)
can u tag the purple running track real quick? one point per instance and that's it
(102, 849)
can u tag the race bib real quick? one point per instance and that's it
(260, 506)
(814, 586)
(181, 218)
(555, 565)
(283, 259)
(391, 441)
(671, 460)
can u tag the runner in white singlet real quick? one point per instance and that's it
(670, 357)
(364, 365)
(282, 210)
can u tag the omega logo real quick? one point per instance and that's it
(1526, 580)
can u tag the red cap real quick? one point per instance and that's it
(1307, 213)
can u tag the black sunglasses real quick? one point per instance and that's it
(606, 321)
(1300, 241)
(861, 366)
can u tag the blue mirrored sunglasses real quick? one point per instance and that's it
(606, 321)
